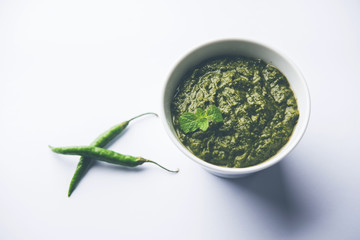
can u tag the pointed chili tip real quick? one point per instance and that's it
(54, 149)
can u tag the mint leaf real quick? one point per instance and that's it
(188, 122)
(200, 113)
(214, 114)
(203, 124)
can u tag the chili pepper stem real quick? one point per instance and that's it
(143, 115)
(146, 160)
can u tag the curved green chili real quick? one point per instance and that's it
(101, 141)
(106, 156)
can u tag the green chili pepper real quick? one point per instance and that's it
(85, 162)
(106, 156)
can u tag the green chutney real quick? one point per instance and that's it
(257, 104)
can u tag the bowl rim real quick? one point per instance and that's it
(251, 169)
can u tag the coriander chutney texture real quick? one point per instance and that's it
(257, 104)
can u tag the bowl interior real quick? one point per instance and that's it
(248, 49)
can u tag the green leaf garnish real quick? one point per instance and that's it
(214, 114)
(200, 113)
(190, 122)
(203, 124)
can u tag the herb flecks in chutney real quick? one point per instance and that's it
(258, 107)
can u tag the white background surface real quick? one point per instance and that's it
(71, 69)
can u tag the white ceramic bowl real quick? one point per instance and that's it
(245, 48)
